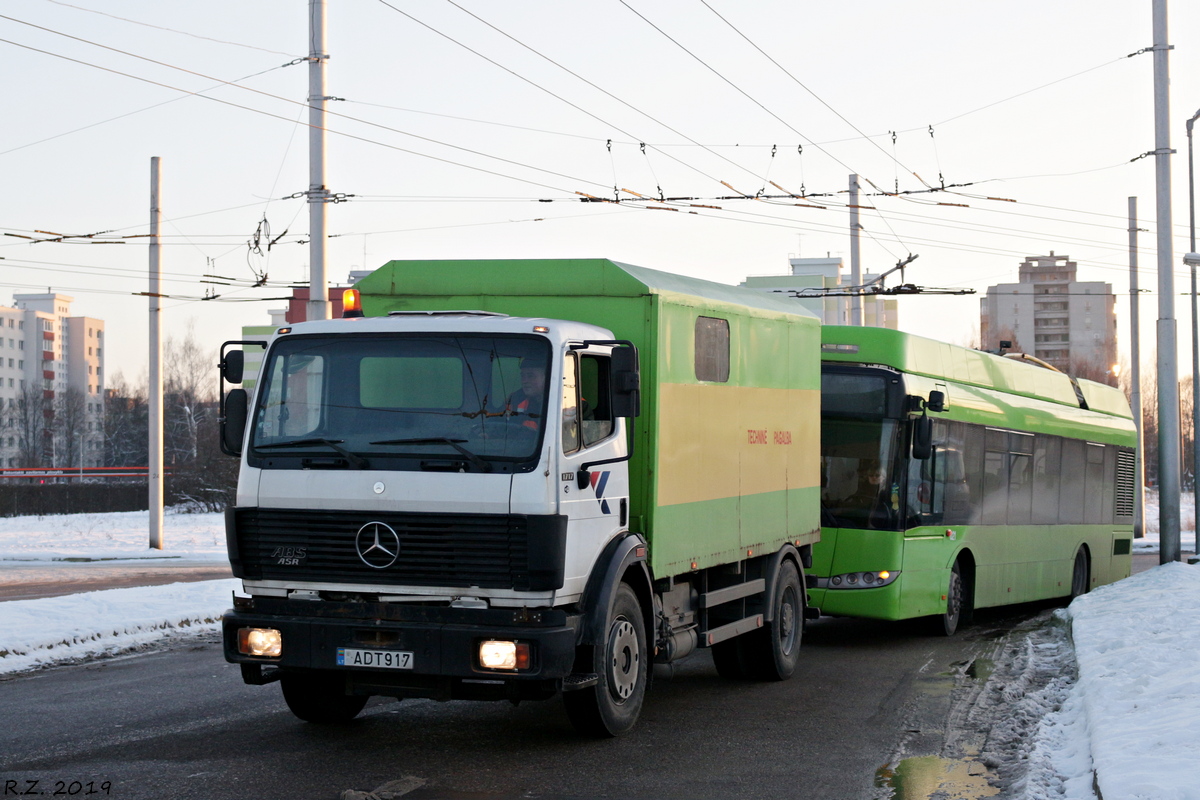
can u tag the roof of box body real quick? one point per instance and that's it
(545, 277)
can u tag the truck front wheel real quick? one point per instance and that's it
(320, 697)
(611, 707)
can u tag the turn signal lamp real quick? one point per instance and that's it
(351, 304)
(504, 655)
(266, 642)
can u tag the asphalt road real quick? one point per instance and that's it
(178, 723)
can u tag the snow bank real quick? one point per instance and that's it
(38, 633)
(1137, 644)
(117, 535)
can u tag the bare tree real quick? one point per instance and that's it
(70, 432)
(33, 427)
(187, 390)
(126, 423)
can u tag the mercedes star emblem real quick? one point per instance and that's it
(377, 544)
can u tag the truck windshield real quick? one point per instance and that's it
(403, 401)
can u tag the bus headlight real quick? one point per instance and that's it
(265, 642)
(860, 580)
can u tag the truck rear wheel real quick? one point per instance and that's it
(772, 651)
(320, 697)
(612, 706)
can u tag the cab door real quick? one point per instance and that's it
(589, 432)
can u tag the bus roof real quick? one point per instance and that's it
(918, 355)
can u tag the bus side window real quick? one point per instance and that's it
(1074, 468)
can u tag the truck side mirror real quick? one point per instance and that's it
(626, 383)
(233, 422)
(233, 366)
(936, 401)
(922, 444)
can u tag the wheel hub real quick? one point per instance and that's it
(623, 659)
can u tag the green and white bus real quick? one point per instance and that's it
(954, 479)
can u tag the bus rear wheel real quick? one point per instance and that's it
(1080, 573)
(957, 601)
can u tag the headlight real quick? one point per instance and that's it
(860, 580)
(495, 654)
(266, 642)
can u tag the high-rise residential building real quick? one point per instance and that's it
(45, 355)
(878, 311)
(1050, 315)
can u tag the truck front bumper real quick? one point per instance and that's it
(443, 642)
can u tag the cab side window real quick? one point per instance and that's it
(594, 401)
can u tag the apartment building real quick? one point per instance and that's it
(1053, 316)
(44, 353)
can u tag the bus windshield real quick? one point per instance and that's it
(860, 478)
(376, 400)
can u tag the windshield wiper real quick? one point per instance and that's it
(354, 458)
(476, 461)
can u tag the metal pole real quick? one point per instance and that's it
(1135, 379)
(1169, 488)
(855, 266)
(318, 195)
(155, 400)
(1195, 346)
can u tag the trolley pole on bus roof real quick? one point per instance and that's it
(1169, 444)
(1135, 380)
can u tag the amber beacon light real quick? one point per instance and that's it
(351, 303)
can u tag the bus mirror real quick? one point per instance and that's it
(233, 366)
(626, 383)
(922, 444)
(233, 421)
(937, 401)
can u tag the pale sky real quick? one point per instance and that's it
(456, 126)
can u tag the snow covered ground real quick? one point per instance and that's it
(1130, 722)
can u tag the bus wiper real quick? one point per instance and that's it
(354, 458)
(476, 461)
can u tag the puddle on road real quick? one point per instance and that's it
(926, 777)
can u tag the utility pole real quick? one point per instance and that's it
(855, 266)
(155, 400)
(1169, 485)
(318, 194)
(1195, 338)
(1135, 379)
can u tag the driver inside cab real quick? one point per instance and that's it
(525, 405)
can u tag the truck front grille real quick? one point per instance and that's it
(510, 551)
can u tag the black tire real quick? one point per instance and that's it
(320, 697)
(957, 602)
(771, 653)
(622, 660)
(1081, 573)
(729, 657)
